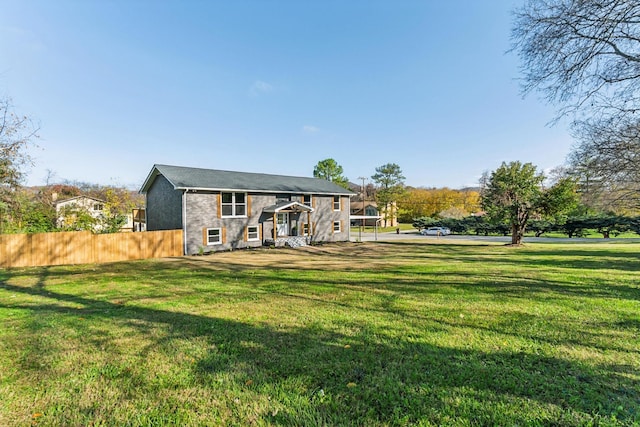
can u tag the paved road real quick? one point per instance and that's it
(408, 235)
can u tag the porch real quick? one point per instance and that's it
(291, 224)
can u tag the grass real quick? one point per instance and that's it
(592, 234)
(406, 227)
(381, 229)
(375, 334)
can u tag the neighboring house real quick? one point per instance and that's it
(223, 210)
(91, 205)
(66, 211)
(368, 216)
(363, 204)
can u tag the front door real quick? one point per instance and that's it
(282, 222)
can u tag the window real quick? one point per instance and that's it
(234, 204)
(214, 236)
(252, 233)
(305, 229)
(336, 203)
(336, 226)
(98, 206)
(306, 200)
(370, 211)
(283, 198)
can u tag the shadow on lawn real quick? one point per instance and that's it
(394, 379)
(410, 278)
(580, 257)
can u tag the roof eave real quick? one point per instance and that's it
(152, 177)
(248, 190)
(156, 170)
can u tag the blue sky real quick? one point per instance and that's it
(272, 86)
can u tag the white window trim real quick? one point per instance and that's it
(219, 242)
(249, 239)
(339, 202)
(310, 199)
(233, 204)
(339, 230)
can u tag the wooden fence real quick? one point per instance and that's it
(84, 247)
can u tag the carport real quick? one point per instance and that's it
(363, 218)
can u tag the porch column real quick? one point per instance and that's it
(275, 227)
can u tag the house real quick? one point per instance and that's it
(364, 213)
(68, 212)
(223, 210)
(364, 208)
(67, 209)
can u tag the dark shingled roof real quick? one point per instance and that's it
(184, 178)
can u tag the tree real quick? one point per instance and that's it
(607, 161)
(582, 54)
(30, 213)
(606, 225)
(559, 199)
(16, 132)
(119, 203)
(330, 170)
(390, 182)
(514, 193)
(585, 56)
(443, 202)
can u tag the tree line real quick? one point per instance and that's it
(605, 225)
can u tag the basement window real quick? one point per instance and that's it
(252, 233)
(214, 236)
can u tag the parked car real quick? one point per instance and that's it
(435, 231)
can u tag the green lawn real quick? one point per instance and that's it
(369, 334)
(370, 228)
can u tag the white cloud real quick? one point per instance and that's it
(310, 129)
(259, 87)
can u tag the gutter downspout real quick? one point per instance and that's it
(348, 221)
(184, 221)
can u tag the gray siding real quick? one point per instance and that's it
(324, 216)
(164, 206)
(202, 213)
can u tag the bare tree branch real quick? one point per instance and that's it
(16, 133)
(584, 56)
(573, 50)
